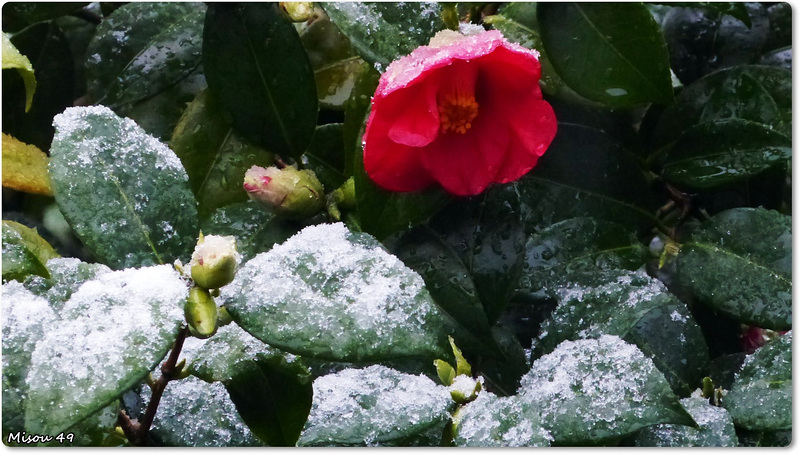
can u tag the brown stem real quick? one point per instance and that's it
(137, 432)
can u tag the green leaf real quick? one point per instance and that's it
(760, 94)
(488, 237)
(611, 53)
(66, 276)
(591, 392)
(273, 398)
(256, 66)
(13, 59)
(585, 173)
(214, 156)
(256, 229)
(24, 252)
(336, 66)
(761, 396)
(325, 155)
(355, 115)
(636, 308)
(382, 405)
(143, 49)
(715, 429)
(739, 263)
(450, 285)
(383, 32)
(132, 206)
(112, 332)
(492, 421)
(712, 155)
(23, 14)
(581, 243)
(194, 413)
(733, 9)
(336, 295)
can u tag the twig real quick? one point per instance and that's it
(138, 432)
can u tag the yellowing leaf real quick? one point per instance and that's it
(25, 166)
(12, 58)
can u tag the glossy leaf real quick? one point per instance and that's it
(22, 14)
(24, 252)
(255, 228)
(112, 332)
(713, 155)
(739, 263)
(273, 398)
(611, 53)
(143, 49)
(609, 186)
(735, 9)
(450, 284)
(25, 167)
(715, 429)
(132, 206)
(761, 396)
(257, 68)
(639, 310)
(355, 115)
(492, 421)
(588, 392)
(214, 156)
(383, 407)
(331, 294)
(13, 59)
(325, 156)
(382, 32)
(67, 275)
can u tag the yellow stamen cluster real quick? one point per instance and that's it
(456, 112)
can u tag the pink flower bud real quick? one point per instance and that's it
(289, 192)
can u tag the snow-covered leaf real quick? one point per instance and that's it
(332, 294)
(715, 429)
(66, 276)
(113, 331)
(492, 421)
(24, 252)
(376, 406)
(124, 193)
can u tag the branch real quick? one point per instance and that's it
(138, 432)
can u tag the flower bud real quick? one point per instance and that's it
(298, 11)
(289, 192)
(464, 389)
(214, 261)
(200, 311)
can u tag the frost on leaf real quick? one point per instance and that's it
(66, 276)
(113, 331)
(761, 395)
(375, 406)
(591, 391)
(716, 429)
(492, 421)
(336, 295)
(124, 193)
(194, 413)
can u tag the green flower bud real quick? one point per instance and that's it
(464, 389)
(288, 192)
(214, 261)
(201, 314)
(298, 11)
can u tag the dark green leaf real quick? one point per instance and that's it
(591, 392)
(256, 229)
(143, 49)
(739, 263)
(19, 15)
(24, 252)
(336, 65)
(355, 115)
(214, 157)
(257, 68)
(636, 308)
(492, 421)
(761, 396)
(716, 429)
(584, 173)
(502, 373)
(111, 333)
(332, 294)
(67, 275)
(449, 282)
(273, 398)
(781, 58)
(718, 154)
(382, 32)
(132, 206)
(611, 53)
(325, 156)
(780, 25)
(734, 9)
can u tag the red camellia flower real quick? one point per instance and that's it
(464, 114)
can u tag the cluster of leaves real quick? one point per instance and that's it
(593, 296)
